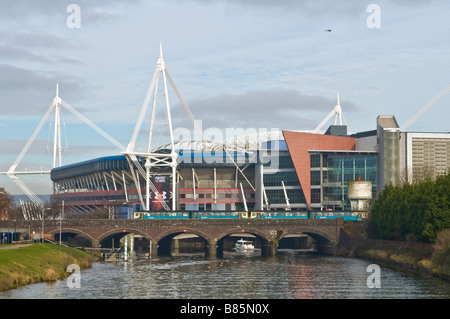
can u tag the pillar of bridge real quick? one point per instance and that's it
(95, 244)
(328, 248)
(269, 248)
(211, 249)
(153, 248)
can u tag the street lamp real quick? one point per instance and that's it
(60, 219)
(43, 217)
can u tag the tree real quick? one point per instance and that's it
(421, 209)
(4, 204)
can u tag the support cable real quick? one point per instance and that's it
(93, 126)
(425, 108)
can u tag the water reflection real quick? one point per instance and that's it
(289, 275)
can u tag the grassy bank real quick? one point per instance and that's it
(38, 263)
(430, 258)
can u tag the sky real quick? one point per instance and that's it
(248, 64)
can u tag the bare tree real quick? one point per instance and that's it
(4, 204)
(416, 175)
(403, 177)
(423, 173)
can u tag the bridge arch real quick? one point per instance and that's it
(65, 231)
(105, 239)
(314, 233)
(177, 231)
(164, 239)
(260, 234)
(324, 243)
(264, 239)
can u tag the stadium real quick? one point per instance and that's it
(288, 170)
(321, 170)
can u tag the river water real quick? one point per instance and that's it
(292, 274)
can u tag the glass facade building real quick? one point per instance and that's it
(278, 169)
(332, 170)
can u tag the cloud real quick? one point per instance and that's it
(39, 88)
(261, 109)
(304, 7)
(93, 10)
(40, 154)
(11, 53)
(314, 7)
(31, 39)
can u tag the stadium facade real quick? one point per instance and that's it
(288, 170)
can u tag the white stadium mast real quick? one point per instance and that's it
(338, 116)
(57, 147)
(57, 130)
(156, 157)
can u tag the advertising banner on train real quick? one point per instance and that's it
(162, 184)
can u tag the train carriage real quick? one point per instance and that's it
(162, 215)
(218, 214)
(283, 215)
(335, 214)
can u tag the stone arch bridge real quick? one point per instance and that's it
(327, 233)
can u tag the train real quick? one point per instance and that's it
(346, 215)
